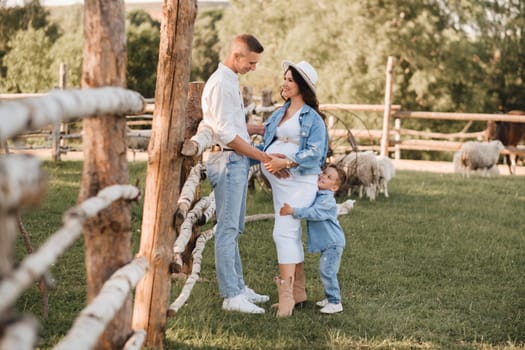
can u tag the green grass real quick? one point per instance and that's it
(438, 265)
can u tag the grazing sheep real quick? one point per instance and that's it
(138, 140)
(386, 172)
(478, 156)
(362, 172)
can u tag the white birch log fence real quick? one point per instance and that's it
(136, 340)
(195, 214)
(94, 319)
(195, 272)
(35, 265)
(187, 194)
(57, 106)
(21, 335)
(22, 185)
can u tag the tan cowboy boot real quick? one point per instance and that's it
(286, 302)
(299, 291)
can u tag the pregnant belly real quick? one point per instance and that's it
(286, 148)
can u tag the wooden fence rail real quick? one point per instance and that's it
(24, 186)
(398, 139)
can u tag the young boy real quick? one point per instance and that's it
(325, 234)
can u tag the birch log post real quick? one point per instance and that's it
(164, 168)
(94, 319)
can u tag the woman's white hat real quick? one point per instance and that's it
(305, 69)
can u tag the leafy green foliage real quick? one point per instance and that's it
(33, 17)
(28, 48)
(143, 38)
(205, 51)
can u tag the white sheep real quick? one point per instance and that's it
(480, 157)
(386, 172)
(362, 173)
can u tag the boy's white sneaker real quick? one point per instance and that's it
(253, 297)
(241, 304)
(332, 308)
(322, 303)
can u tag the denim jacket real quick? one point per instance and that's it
(313, 142)
(324, 230)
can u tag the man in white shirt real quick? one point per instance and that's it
(227, 167)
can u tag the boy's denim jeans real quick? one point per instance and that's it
(228, 175)
(328, 268)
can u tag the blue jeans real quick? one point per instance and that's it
(228, 175)
(328, 268)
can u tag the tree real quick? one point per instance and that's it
(497, 29)
(205, 48)
(69, 45)
(29, 49)
(143, 37)
(12, 19)
(450, 55)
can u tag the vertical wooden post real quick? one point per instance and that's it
(385, 137)
(247, 95)
(57, 128)
(164, 168)
(62, 84)
(397, 139)
(107, 237)
(193, 118)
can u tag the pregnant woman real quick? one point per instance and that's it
(298, 132)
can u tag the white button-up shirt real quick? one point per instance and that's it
(222, 106)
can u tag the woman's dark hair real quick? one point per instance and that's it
(309, 96)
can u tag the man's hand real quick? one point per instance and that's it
(189, 148)
(286, 209)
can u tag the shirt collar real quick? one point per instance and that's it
(227, 71)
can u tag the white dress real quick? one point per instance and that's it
(297, 190)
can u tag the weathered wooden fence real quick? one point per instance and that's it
(390, 139)
(23, 185)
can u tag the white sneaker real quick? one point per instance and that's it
(332, 308)
(253, 297)
(322, 303)
(240, 303)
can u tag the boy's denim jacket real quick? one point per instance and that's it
(313, 142)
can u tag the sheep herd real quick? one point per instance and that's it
(368, 174)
